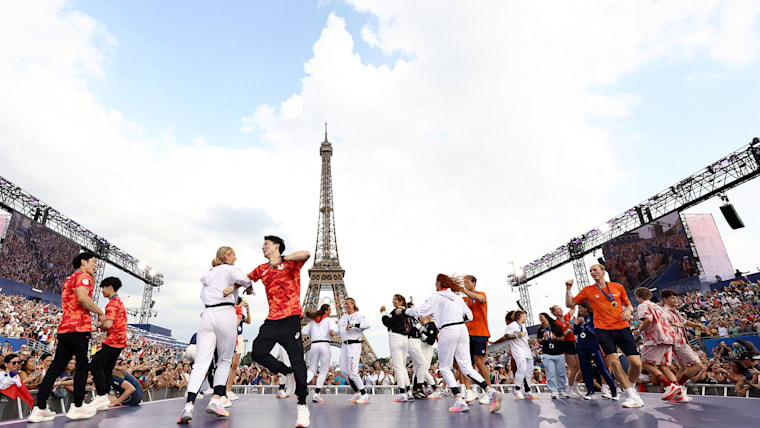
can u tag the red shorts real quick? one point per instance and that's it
(657, 355)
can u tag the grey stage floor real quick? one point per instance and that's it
(268, 411)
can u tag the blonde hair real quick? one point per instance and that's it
(118, 372)
(220, 253)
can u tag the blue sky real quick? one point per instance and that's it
(464, 136)
(199, 68)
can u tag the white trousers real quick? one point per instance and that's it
(422, 356)
(350, 354)
(454, 343)
(218, 331)
(319, 356)
(399, 345)
(524, 370)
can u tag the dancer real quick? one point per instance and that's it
(216, 332)
(687, 359)
(239, 344)
(612, 311)
(321, 328)
(421, 340)
(571, 351)
(517, 334)
(479, 335)
(74, 333)
(399, 329)
(450, 313)
(657, 345)
(351, 326)
(552, 337)
(588, 352)
(104, 361)
(282, 279)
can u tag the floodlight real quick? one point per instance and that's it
(141, 265)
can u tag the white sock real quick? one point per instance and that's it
(189, 406)
(631, 392)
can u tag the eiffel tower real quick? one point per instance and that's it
(327, 275)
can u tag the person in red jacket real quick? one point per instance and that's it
(74, 333)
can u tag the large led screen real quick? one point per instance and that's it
(651, 256)
(35, 255)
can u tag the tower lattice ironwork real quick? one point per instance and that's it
(326, 276)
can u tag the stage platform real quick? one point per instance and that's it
(382, 412)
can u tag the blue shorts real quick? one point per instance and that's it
(611, 340)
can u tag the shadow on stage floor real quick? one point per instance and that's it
(336, 412)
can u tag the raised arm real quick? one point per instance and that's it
(480, 298)
(569, 301)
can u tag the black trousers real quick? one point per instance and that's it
(102, 366)
(76, 344)
(286, 332)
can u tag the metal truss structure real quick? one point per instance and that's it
(14, 198)
(327, 274)
(728, 172)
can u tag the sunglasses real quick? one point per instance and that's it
(15, 362)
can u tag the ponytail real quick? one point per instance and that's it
(318, 313)
(220, 254)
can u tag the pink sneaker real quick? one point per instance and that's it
(363, 400)
(215, 408)
(460, 406)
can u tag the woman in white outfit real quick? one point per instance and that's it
(450, 313)
(351, 326)
(321, 328)
(399, 327)
(421, 350)
(517, 334)
(217, 330)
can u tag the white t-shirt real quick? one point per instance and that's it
(520, 347)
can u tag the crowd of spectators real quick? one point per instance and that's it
(36, 256)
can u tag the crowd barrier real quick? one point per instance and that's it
(16, 409)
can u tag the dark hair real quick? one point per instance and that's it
(112, 282)
(77, 262)
(318, 313)
(667, 293)
(7, 360)
(401, 299)
(643, 293)
(276, 240)
(516, 315)
(45, 355)
(510, 316)
(549, 318)
(26, 363)
(587, 306)
(471, 278)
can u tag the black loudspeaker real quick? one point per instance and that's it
(731, 216)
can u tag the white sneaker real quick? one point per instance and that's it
(100, 402)
(303, 416)
(281, 393)
(401, 398)
(606, 393)
(83, 412)
(364, 399)
(574, 392)
(215, 408)
(563, 394)
(555, 395)
(232, 396)
(494, 397)
(633, 402)
(355, 397)
(470, 396)
(460, 406)
(590, 396)
(225, 402)
(519, 394)
(316, 398)
(290, 387)
(409, 396)
(199, 396)
(485, 399)
(435, 395)
(209, 391)
(41, 415)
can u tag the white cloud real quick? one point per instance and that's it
(477, 149)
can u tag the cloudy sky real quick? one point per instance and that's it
(466, 135)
